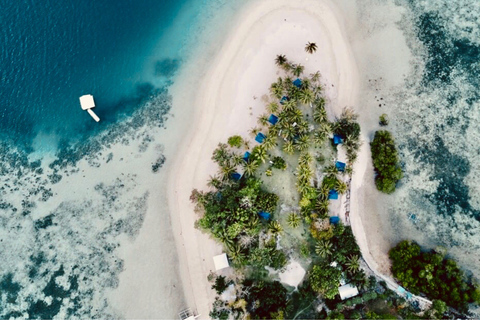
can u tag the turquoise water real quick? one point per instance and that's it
(53, 53)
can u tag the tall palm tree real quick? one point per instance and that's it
(353, 264)
(331, 170)
(315, 76)
(275, 228)
(225, 239)
(306, 97)
(236, 254)
(288, 147)
(318, 139)
(298, 70)
(270, 142)
(214, 182)
(305, 159)
(322, 206)
(254, 131)
(250, 168)
(226, 172)
(319, 115)
(325, 128)
(293, 220)
(272, 107)
(276, 90)
(323, 248)
(341, 186)
(280, 60)
(311, 47)
(262, 119)
(303, 143)
(261, 153)
(323, 193)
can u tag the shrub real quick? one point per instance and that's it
(385, 161)
(383, 120)
(325, 280)
(279, 163)
(432, 274)
(221, 284)
(235, 141)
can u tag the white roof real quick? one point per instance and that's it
(347, 291)
(221, 261)
(87, 102)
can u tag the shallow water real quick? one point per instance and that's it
(420, 61)
(74, 193)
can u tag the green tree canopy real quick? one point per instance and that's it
(385, 161)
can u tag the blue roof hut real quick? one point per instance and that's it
(236, 176)
(273, 119)
(260, 137)
(264, 215)
(337, 139)
(246, 156)
(297, 83)
(283, 100)
(340, 166)
(334, 220)
(333, 195)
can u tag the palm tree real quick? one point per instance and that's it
(214, 182)
(319, 115)
(262, 119)
(276, 90)
(318, 139)
(236, 254)
(225, 239)
(325, 128)
(275, 227)
(254, 131)
(341, 186)
(250, 168)
(323, 193)
(331, 170)
(303, 143)
(260, 153)
(311, 47)
(226, 172)
(237, 159)
(294, 220)
(323, 205)
(270, 141)
(273, 107)
(288, 147)
(280, 60)
(306, 97)
(323, 248)
(298, 70)
(315, 76)
(305, 159)
(353, 264)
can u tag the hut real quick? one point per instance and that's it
(340, 166)
(334, 220)
(273, 119)
(260, 137)
(87, 103)
(221, 262)
(246, 156)
(333, 194)
(284, 99)
(264, 215)
(337, 139)
(297, 83)
(347, 291)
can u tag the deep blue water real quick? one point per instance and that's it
(53, 52)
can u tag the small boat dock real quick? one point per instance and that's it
(87, 103)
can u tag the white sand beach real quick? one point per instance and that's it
(228, 98)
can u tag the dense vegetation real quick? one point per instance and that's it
(233, 211)
(430, 273)
(385, 161)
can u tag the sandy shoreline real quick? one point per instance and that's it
(231, 96)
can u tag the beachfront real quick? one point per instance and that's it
(229, 100)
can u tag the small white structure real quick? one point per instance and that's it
(221, 261)
(187, 314)
(293, 274)
(347, 291)
(87, 103)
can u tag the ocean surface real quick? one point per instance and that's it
(59, 250)
(74, 193)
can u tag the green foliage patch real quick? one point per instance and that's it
(429, 272)
(385, 161)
